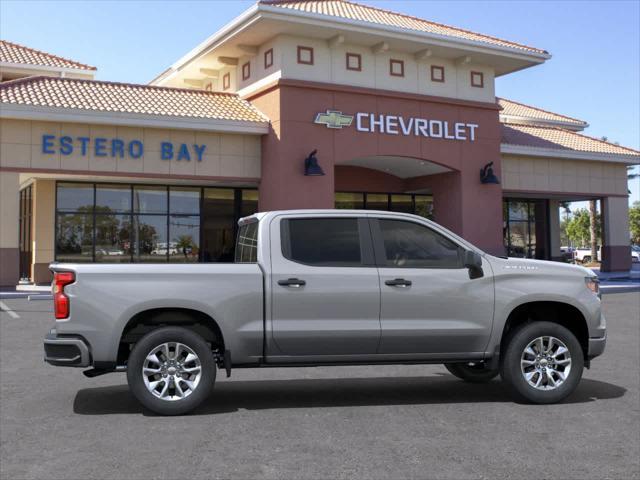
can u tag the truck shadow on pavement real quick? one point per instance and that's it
(231, 396)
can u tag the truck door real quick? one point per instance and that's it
(429, 305)
(324, 286)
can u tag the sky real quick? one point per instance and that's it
(593, 75)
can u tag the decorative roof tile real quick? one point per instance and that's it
(127, 98)
(13, 53)
(517, 109)
(353, 11)
(554, 138)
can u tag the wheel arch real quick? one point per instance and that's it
(558, 312)
(147, 320)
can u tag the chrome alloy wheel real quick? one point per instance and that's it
(545, 363)
(171, 371)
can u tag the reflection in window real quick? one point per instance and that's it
(74, 196)
(74, 239)
(113, 238)
(184, 234)
(113, 198)
(184, 200)
(149, 199)
(150, 239)
(147, 223)
(247, 243)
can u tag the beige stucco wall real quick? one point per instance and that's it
(330, 67)
(226, 155)
(616, 220)
(9, 209)
(536, 174)
(44, 201)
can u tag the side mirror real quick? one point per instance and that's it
(473, 261)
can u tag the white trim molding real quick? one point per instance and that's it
(60, 114)
(575, 126)
(569, 154)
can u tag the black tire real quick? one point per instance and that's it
(586, 259)
(510, 365)
(476, 373)
(154, 339)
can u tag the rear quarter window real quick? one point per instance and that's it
(247, 243)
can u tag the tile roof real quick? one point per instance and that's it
(555, 138)
(353, 11)
(127, 98)
(516, 109)
(13, 53)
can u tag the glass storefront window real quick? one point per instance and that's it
(218, 225)
(113, 238)
(116, 223)
(417, 204)
(377, 201)
(184, 235)
(424, 206)
(249, 204)
(73, 197)
(74, 238)
(350, 201)
(402, 203)
(526, 228)
(150, 239)
(113, 198)
(184, 200)
(148, 199)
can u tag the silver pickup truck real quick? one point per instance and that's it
(329, 287)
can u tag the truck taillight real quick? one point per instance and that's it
(60, 300)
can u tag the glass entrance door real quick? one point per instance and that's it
(526, 228)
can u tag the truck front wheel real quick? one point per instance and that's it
(171, 370)
(542, 363)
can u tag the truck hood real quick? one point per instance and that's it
(513, 265)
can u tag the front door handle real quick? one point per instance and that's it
(398, 282)
(292, 282)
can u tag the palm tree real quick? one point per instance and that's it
(592, 230)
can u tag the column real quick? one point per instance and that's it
(616, 249)
(44, 200)
(9, 225)
(554, 231)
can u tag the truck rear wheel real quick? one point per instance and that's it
(542, 363)
(471, 372)
(171, 370)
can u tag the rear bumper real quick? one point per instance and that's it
(66, 351)
(596, 346)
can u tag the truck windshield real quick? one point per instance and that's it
(247, 243)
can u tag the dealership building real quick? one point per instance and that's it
(293, 104)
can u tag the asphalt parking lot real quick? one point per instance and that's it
(337, 422)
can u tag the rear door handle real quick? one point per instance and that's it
(398, 282)
(292, 282)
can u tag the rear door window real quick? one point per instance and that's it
(326, 242)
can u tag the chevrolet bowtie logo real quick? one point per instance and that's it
(334, 119)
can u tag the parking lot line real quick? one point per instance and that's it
(5, 308)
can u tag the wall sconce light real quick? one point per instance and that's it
(311, 167)
(487, 176)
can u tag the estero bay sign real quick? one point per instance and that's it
(399, 125)
(118, 148)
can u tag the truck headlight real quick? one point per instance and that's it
(593, 284)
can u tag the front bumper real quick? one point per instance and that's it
(66, 351)
(596, 346)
